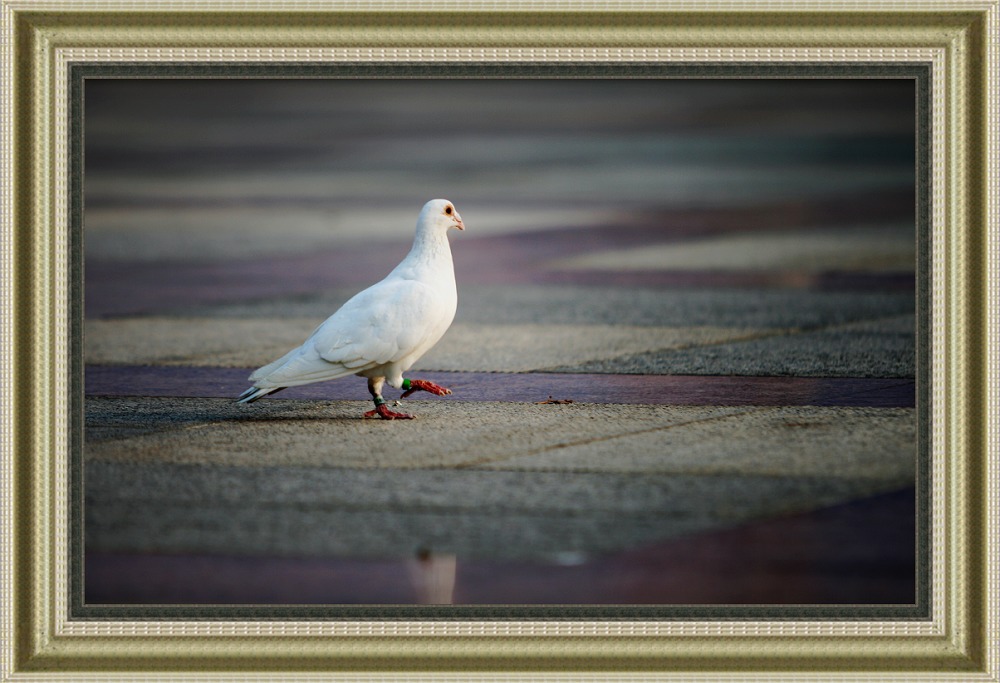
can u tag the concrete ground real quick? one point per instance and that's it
(685, 343)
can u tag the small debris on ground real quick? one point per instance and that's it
(554, 400)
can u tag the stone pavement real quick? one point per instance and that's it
(713, 282)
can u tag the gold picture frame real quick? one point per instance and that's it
(955, 41)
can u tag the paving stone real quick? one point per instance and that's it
(832, 441)
(885, 348)
(874, 443)
(479, 480)
(332, 434)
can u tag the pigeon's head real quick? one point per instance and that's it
(440, 214)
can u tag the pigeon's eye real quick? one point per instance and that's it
(447, 210)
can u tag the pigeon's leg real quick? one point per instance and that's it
(381, 410)
(411, 385)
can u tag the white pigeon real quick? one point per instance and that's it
(382, 331)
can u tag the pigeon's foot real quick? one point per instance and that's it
(424, 385)
(383, 412)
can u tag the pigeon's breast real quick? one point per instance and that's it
(442, 313)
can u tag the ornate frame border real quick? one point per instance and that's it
(41, 39)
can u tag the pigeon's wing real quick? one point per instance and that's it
(380, 325)
(301, 365)
(384, 323)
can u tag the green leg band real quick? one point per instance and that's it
(379, 401)
(405, 385)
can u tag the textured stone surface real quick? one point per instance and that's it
(878, 348)
(478, 480)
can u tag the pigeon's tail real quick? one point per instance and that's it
(253, 393)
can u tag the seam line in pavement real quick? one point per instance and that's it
(611, 437)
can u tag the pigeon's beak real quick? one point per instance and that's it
(458, 222)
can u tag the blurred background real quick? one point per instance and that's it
(743, 250)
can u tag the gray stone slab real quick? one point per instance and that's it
(860, 443)
(332, 434)
(879, 348)
(482, 480)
